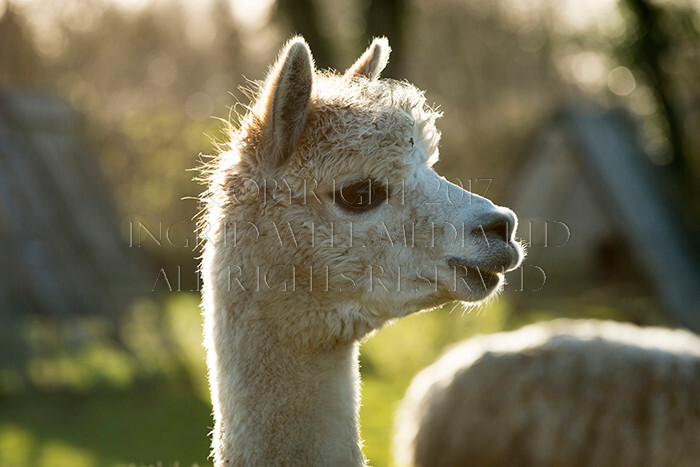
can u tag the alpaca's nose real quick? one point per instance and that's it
(499, 224)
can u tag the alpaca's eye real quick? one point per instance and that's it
(361, 195)
(411, 141)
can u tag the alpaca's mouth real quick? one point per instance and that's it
(469, 269)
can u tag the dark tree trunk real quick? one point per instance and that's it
(648, 49)
(303, 19)
(386, 18)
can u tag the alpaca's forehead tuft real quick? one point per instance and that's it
(372, 118)
(373, 96)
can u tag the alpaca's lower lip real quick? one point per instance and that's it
(456, 262)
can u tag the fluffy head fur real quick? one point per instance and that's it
(580, 393)
(290, 269)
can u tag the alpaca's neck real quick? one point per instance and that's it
(276, 403)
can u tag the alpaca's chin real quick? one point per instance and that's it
(464, 289)
(477, 287)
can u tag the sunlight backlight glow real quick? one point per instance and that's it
(253, 14)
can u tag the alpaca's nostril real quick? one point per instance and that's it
(499, 227)
(498, 230)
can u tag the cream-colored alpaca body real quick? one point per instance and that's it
(324, 221)
(566, 392)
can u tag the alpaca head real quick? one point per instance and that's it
(325, 212)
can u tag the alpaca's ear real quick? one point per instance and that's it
(285, 99)
(373, 61)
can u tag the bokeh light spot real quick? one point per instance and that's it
(621, 81)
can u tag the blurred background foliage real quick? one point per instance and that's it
(148, 75)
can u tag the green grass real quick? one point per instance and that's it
(104, 405)
(104, 428)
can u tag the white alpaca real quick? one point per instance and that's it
(325, 221)
(581, 393)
